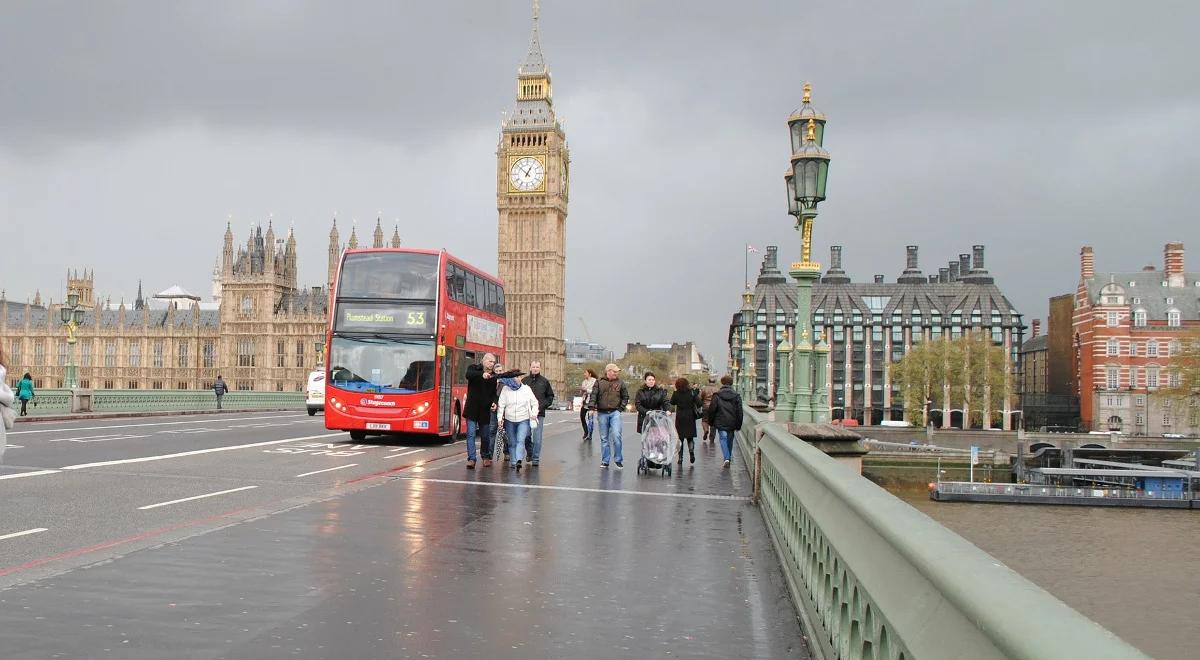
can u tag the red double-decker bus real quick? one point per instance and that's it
(404, 325)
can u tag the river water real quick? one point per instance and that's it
(1133, 571)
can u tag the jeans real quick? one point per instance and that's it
(726, 438)
(474, 428)
(517, 432)
(219, 397)
(535, 444)
(610, 436)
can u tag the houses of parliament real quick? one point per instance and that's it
(260, 331)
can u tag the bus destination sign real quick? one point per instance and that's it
(394, 318)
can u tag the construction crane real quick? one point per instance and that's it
(587, 333)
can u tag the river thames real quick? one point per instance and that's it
(1134, 571)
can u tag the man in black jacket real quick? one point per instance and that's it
(725, 415)
(610, 396)
(545, 396)
(481, 395)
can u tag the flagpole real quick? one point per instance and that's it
(747, 273)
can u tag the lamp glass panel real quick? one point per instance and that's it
(822, 178)
(65, 314)
(793, 206)
(72, 299)
(78, 316)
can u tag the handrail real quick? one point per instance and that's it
(879, 577)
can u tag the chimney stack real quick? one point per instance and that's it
(1087, 263)
(912, 272)
(879, 279)
(1173, 263)
(978, 256)
(933, 279)
(1037, 328)
(964, 264)
(943, 275)
(835, 274)
(912, 257)
(835, 257)
(953, 271)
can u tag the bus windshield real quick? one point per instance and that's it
(393, 275)
(381, 364)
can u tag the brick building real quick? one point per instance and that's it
(1127, 326)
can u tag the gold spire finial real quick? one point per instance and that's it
(807, 93)
(810, 134)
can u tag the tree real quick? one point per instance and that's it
(1183, 375)
(968, 372)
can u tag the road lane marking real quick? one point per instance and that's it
(415, 451)
(696, 496)
(197, 497)
(340, 467)
(24, 533)
(161, 457)
(126, 426)
(100, 438)
(27, 474)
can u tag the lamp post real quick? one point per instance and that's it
(746, 385)
(72, 316)
(808, 397)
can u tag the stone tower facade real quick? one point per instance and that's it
(532, 175)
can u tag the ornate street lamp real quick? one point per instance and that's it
(72, 316)
(806, 397)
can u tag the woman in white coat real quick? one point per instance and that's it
(7, 411)
(518, 409)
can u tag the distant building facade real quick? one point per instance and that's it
(581, 352)
(1045, 381)
(684, 357)
(263, 333)
(868, 326)
(1127, 327)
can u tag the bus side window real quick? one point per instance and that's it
(500, 300)
(470, 289)
(450, 281)
(480, 292)
(491, 297)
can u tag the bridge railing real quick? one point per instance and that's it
(58, 401)
(875, 578)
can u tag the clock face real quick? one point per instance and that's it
(526, 174)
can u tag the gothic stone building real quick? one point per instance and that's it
(1127, 328)
(871, 325)
(264, 333)
(532, 163)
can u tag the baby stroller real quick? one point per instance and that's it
(659, 444)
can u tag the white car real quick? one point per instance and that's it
(314, 396)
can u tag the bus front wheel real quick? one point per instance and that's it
(358, 436)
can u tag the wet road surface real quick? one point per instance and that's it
(266, 536)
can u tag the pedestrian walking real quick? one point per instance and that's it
(481, 392)
(706, 394)
(220, 389)
(650, 396)
(517, 409)
(587, 408)
(8, 412)
(687, 404)
(725, 415)
(544, 393)
(610, 396)
(25, 392)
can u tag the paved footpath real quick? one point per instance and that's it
(265, 536)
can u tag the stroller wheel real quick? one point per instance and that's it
(667, 471)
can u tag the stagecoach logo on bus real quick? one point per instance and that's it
(483, 331)
(377, 402)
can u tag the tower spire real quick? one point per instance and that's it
(534, 64)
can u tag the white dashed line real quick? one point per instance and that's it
(27, 474)
(24, 533)
(340, 467)
(197, 497)
(197, 452)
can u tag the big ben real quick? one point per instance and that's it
(532, 175)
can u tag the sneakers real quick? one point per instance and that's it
(604, 466)
(726, 464)
(517, 466)
(620, 466)
(471, 465)
(693, 456)
(535, 463)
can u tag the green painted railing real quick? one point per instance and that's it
(58, 401)
(875, 578)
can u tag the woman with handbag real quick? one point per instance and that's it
(687, 410)
(8, 414)
(25, 392)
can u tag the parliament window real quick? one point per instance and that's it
(209, 354)
(280, 356)
(85, 354)
(183, 356)
(246, 353)
(110, 355)
(299, 352)
(135, 355)
(1152, 348)
(158, 356)
(62, 353)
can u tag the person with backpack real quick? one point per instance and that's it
(25, 392)
(220, 389)
(706, 395)
(725, 415)
(686, 400)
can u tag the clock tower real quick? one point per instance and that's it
(532, 167)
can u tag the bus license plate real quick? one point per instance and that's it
(421, 424)
(378, 426)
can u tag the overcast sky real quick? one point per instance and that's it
(130, 132)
